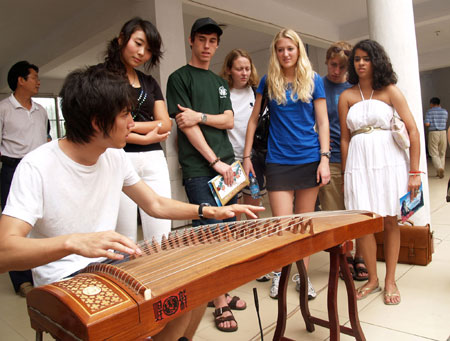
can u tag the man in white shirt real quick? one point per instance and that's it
(23, 128)
(66, 193)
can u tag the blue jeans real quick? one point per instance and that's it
(198, 192)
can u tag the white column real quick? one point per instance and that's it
(167, 16)
(391, 23)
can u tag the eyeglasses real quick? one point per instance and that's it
(337, 49)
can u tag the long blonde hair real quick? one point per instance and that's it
(303, 84)
(234, 54)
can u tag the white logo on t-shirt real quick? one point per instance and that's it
(222, 92)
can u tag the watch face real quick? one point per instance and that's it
(203, 118)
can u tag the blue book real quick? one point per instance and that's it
(408, 207)
(223, 193)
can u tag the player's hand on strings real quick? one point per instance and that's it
(101, 244)
(230, 211)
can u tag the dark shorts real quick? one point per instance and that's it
(291, 177)
(259, 165)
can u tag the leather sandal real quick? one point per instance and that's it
(351, 267)
(219, 318)
(361, 273)
(365, 291)
(232, 304)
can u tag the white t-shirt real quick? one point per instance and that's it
(58, 196)
(242, 101)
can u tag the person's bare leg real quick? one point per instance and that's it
(368, 248)
(185, 325)
(391, 251)
(305, 201)
(196, 318)
(281, 203)
(248, 200)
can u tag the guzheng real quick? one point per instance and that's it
(137, 297)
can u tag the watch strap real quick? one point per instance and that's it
(200, 209)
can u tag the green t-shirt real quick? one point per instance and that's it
(202, 91)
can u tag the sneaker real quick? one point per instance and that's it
(264, 278)
(311, 292)
(275, 283)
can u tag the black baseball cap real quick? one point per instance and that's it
(203, 22)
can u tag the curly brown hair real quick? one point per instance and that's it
(383, 73)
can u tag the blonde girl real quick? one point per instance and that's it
(297, 161)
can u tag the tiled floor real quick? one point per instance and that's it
(424, 313)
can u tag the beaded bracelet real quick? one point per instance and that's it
(214, 162)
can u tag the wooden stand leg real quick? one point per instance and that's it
(333, 317)
(282, 308)
(352, 302)
(39, 336)
(303, 296)
(337, 260)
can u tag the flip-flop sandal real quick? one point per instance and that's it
(365, 291)
(351, 267)
(387, 297)
(218, 319)
(233, 303)
(361, 273)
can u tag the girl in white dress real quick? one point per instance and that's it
(375, 168)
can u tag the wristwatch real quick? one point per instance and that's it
(327, 154)
(204, 118)
(200, 209)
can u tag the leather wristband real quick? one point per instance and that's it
(214, 162)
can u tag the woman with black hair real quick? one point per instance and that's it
(139, 43)
(377, 172)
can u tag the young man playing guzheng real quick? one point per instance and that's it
(65, 194)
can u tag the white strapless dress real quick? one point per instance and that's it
(376, 171)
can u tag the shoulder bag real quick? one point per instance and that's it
(399, 132)
(262, 128)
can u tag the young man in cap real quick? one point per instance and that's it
(23, 128)
(199, 100)
(65, 195)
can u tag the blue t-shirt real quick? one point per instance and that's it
(333, 91)
(292, 138)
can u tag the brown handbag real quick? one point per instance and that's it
(416, 244)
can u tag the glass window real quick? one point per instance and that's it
(52, 106)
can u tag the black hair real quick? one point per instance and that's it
(435, 101)
(94, 94)
(20, 69)
(383, 73)
(209, 29)
(112, 56)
